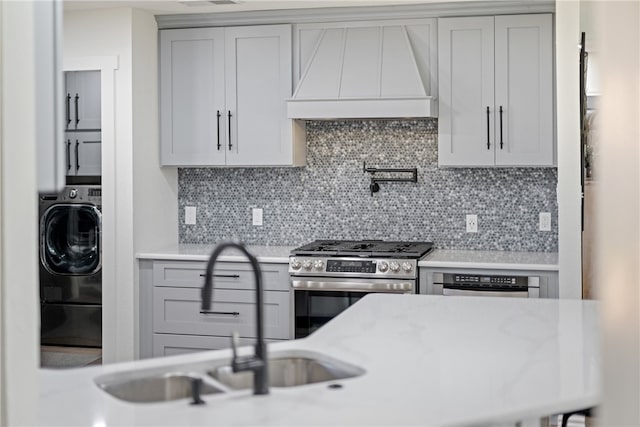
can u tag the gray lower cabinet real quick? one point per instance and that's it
(178, 311)
(548, 280)
(171, 318)
(172, 345)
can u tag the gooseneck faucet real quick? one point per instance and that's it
(258, 362)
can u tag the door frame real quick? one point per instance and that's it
(107, 65)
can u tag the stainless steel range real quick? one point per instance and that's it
(328, 276)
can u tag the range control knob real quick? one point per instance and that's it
(295, 264)
(307, 264)
(73, 193)
(394, 266)
(407, 267)
(318, 265)
(383, 266)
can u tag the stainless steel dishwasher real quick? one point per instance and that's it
(451, 284)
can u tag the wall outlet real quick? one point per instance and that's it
(472, 223)
(257, 216)
(190, 215)
(545, 221)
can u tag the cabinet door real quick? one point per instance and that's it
(172, 345)
(69, 96)
(87, 153)
(226, 275)
(178, 311)
(258, 83)
(85, 100)
(69, 152)
(466, 92)
(191, 96)
(524, 91)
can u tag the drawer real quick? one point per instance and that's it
(171, 345)
(177, 311)
(227, 275)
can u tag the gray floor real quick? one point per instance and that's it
(69, 357)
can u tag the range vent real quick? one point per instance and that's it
(383, 69)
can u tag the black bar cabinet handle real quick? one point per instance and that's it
(501, 142)
(77, 156)
(68, 155)
(225, 313)
(229, 117)
(232, 276)
(488, 136)
(68, 109)
(76, 102)
(218, 128)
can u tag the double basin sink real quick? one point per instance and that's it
(286, 369)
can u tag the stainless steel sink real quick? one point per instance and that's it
(164, 383)
(156, 388)
(290, 372)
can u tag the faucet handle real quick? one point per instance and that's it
(235, 341)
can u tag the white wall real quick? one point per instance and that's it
(618, 212)
(568, 137)
(155, 189)
(117, 33)
(19, 290)
(3, 419)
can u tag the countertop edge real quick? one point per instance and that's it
(223, 258)
(439, 258)
(488, 265)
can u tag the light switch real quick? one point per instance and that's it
(544, 221)
(257, 216)
(190, 215)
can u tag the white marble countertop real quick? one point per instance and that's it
(201, 252)
(503, 260)
(429, 360)
(543, 261)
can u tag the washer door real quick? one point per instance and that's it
(70, 239)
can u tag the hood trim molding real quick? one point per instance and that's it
(370, 69)
(338, 14)
(327, 109)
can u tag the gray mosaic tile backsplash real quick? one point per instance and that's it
(330, 198)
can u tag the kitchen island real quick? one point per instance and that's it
(428, 360)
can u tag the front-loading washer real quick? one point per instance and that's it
(71, 266)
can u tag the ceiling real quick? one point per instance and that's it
(170, 7)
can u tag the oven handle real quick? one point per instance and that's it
(346, 286)
(473, 293)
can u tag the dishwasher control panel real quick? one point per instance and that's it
(485, 285)
(486, 280)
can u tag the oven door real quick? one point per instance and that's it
(318, 300)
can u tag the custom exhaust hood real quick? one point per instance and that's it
(383, 69)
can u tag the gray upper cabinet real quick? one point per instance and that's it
(82, 100)
(223, 98)
(83, 152)
(495, 91)
(192, 97)
(82, 123)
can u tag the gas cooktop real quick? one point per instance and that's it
(365, 248)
